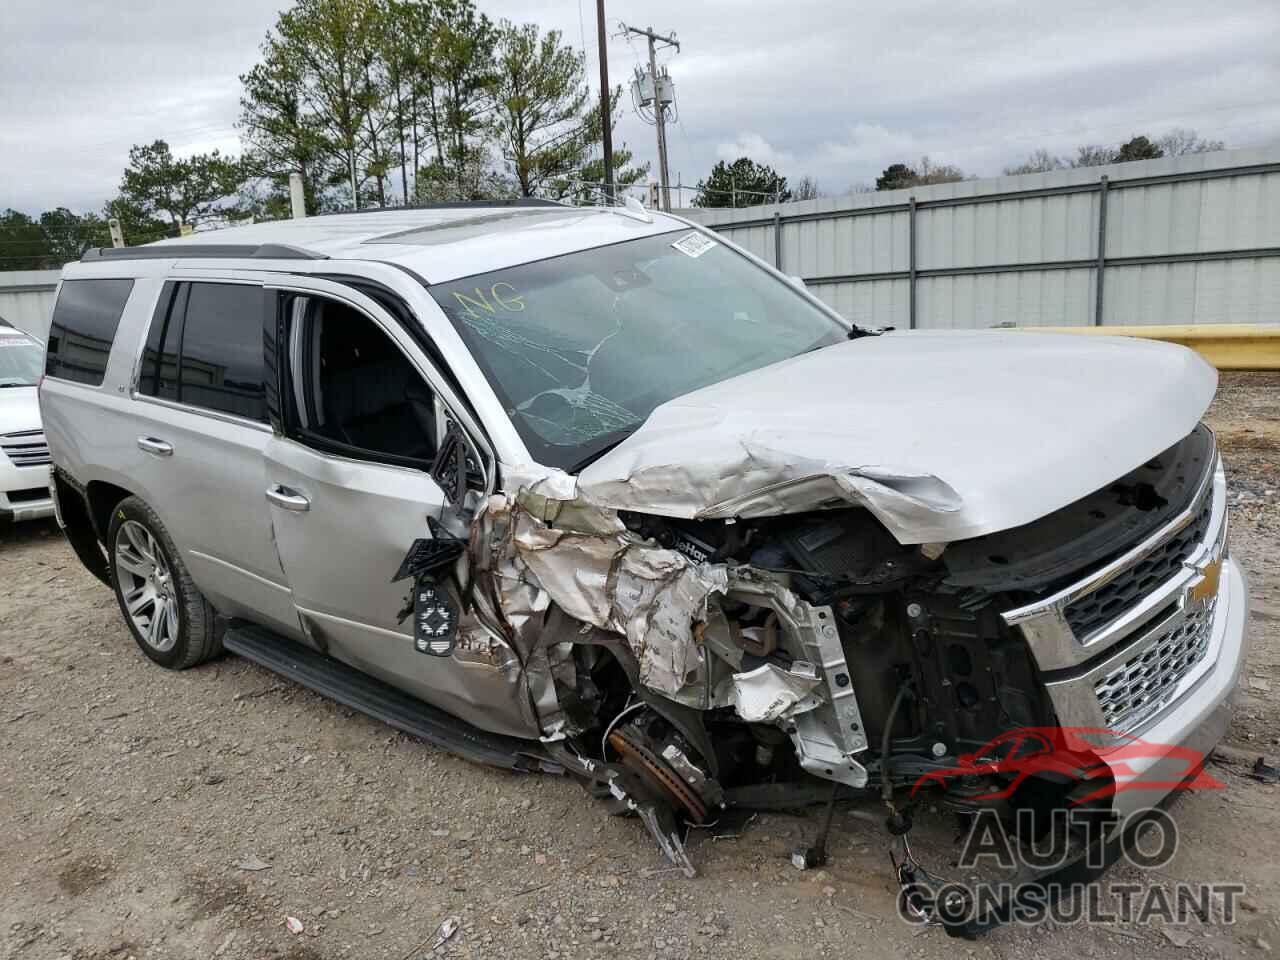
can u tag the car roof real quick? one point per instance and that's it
(437, 243)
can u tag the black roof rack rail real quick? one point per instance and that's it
(187, 251)
(450, 205)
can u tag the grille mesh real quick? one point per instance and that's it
(25, 449)
(1113, 599)
(1149, 678)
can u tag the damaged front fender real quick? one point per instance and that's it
(576, 560)
(601, 574)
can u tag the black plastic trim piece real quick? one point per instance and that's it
(190, 251)
(381, 701)
(79, 527)
(448, 205)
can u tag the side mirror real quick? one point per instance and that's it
(457, 467)
(450, 466)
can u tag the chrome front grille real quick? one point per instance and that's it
(1127, 589)
(26, 448)
(1119, 647)
(1148, 679)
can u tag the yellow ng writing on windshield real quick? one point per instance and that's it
(499, 296)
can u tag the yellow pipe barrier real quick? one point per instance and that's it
(1228, 346)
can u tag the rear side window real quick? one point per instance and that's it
(205, 348)
(221, 366)
(159, 374)
(83, 328)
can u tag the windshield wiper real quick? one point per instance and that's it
(857, 333)
(615, 438)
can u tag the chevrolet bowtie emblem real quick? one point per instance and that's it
(1207, 588)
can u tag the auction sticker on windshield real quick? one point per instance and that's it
(694, 244)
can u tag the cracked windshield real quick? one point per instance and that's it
(581, 348)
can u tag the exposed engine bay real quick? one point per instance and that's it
(683, 667)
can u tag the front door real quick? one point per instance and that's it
(350, 487)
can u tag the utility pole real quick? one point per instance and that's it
(606, 114)
(659, 110)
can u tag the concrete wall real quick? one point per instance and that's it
(1189, 240)
(26, 299)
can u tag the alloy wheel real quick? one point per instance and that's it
(146, 584)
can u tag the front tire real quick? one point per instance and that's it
(168, 617)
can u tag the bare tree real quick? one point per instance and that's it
(806, 189)
(898, 176)
(1093, 155)
(1040, 161)
(1180, 141)
(929, 172)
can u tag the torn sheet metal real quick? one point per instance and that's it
(943, 436)
(768, 693)
(602, 575)
(667, 608)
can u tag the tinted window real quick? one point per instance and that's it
(159, 374)
(84, 325)
(222, 356)
(360, 392)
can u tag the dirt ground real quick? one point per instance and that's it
(150, 814)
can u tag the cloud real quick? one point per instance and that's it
(804, 85)
(866, 149)
(758, 149)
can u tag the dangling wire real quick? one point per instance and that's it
(629, 708)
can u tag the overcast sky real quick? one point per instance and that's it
(830, 89)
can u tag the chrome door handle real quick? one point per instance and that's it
(287, 498)
(154, 446)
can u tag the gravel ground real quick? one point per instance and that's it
(149, 814)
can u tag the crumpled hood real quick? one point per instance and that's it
(18, 410)
(942, 435)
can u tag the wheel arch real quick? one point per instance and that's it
(76, 516)
(102, 498)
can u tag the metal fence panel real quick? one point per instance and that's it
(1187, 240)
(876, 303)
(1035, 230)
(1231, 213)
(26, 299)
(1053, 298)
(1222, 291)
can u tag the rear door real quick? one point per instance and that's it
(199, 427)
(350, 487)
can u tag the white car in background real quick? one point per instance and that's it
(24, 455)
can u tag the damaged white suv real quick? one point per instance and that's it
(595, 491)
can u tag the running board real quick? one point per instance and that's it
(371, 696)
